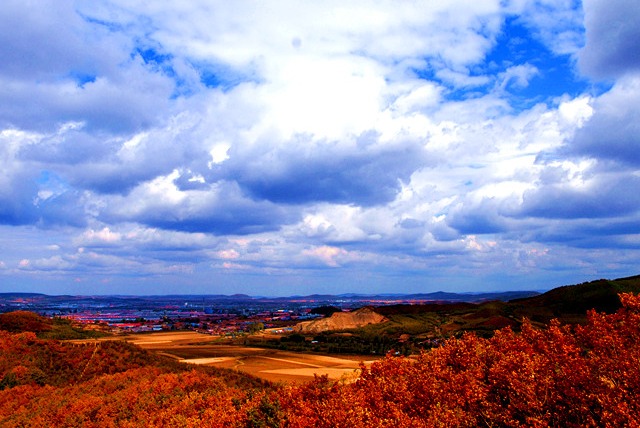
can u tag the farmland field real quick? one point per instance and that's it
(268, 364)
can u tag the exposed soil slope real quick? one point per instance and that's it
(342, 321)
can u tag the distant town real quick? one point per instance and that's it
(214, 314)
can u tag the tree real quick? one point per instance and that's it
(255, 327)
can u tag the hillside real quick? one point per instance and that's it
(56, 328)
(45, 382)
(410, 328)
(601, 295)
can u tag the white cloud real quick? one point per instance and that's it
(274, 140)
(228, 254)
(556, 22)
(331, 256)
(422, 96)
(461, 79)
(517, 76)
(105, 235)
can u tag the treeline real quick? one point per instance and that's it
(355, 343)
(566, 375)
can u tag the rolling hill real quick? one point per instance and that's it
(414, 327)
(341, 321)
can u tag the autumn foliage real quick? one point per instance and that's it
(21, 321)
(569, 376)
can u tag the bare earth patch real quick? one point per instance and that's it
(342, 321)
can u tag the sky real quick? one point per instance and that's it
(298, 147)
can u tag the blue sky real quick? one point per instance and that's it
(298, 147)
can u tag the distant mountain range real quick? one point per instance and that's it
(600, 294)
(438, 296)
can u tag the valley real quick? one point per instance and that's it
(272, 365)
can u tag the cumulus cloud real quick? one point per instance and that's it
(612, 31)
(330, 256)
(362, 172)
(221, 209)
(600, 196)
(76, 70)
(613, 133)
